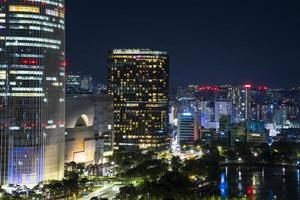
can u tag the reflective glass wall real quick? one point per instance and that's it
(32, 74)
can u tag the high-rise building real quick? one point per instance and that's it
(225, 121)
(237, 133)
(78, 83)
(73, 83)
(207, 114)
(101, 89)
(32, 81)
(139, 81)
(187, 128)
(245, 111)
(222, 107)
(87, 84)
(240, 96)
(234, 95)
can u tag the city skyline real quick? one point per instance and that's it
(208, 43)
(110, 123)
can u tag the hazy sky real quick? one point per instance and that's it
(209, 41)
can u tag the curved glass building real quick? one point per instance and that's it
(32, 74)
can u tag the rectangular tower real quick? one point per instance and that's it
(138, 79)
(188, 128)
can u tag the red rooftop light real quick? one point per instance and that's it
(208, 88)
(248, 86)
(262, 88)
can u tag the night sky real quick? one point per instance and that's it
(209, 41)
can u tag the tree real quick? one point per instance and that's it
(127, 193)
(176, 163)
(172, 185)
(149, 169)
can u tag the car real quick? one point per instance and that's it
(95, 198)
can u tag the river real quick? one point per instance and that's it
(260, 183)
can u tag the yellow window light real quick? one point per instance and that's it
(27, 9)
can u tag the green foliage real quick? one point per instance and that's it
(151, 169)
(254, 152)
(127, 192)
(171, 185)
(126, 160)
(176, 164)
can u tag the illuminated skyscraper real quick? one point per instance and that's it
(240, 96)
(139, 81)
(73, 83)
(246, 102)
(78, 83)
(32, 74)
(188, 128)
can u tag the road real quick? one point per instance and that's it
(109, 191)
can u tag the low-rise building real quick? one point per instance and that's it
(89, 128)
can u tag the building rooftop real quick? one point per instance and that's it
(138, 52)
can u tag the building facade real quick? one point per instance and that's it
(187, 128)
(221, 108)
(78, 83)
(89, 128)
(245, 112)
(138, 79)
(32, 81)
(240, 96)
(73, 83)
(237, 133)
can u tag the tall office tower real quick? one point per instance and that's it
(207, 114)
(241, 101)
(245, 112)
(237, 133)
(234, 95)
(222, 107)
(225, 121)
(139, 81)
(32, 78)
(188, 128)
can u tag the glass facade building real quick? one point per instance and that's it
(187, 129)
(32, 74)
(138, 79)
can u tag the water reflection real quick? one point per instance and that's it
(223, 185)
(260, 183)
